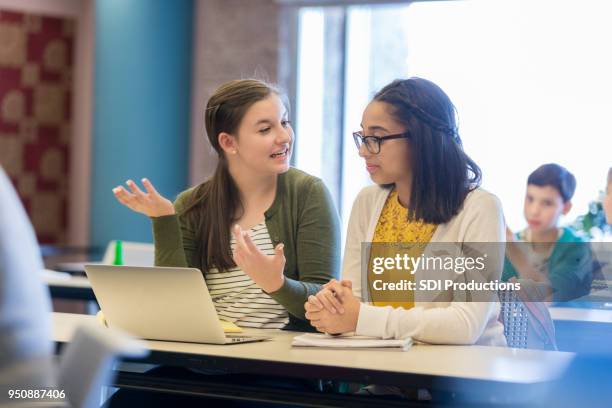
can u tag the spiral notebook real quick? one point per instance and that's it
(348, 341)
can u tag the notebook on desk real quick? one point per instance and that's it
(348, 342)
(156, 303)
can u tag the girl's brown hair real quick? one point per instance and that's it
(215, 204)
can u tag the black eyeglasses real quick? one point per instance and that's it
(372, 143)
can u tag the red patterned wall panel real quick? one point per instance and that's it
(35, 116)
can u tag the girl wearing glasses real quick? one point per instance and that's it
(266, 236)
(426, 192)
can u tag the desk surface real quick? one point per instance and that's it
(75, 287)
(581, 315)
(480, 363)
(72, 282)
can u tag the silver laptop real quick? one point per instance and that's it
(158, 303)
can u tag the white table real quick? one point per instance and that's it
(74, 287)
(581, 315)
(468, 369)
(583, 330)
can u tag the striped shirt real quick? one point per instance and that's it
(238, 299)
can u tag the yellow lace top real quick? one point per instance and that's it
(394, 227)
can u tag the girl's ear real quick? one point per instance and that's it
(228, 143)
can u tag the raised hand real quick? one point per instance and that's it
(149, 203)
(265, 270)
(509, 235)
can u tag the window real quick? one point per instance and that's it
(530, 81)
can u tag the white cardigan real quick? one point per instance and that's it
(448, 322)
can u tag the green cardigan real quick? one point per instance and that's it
(302, 217)
(570, 267)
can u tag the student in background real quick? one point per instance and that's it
(26, 350)
(587, 380)
(265, 235)
(546, 253)
(427, 191)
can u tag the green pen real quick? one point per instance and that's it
(118, 253)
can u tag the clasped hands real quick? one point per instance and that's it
(334, 309)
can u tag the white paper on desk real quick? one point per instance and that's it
(325, 340)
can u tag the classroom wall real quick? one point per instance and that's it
(36, 68)
(141, 118)
(246, 45)
(81, 11)
(140, 94)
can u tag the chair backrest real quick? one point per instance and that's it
(527, 324)
(134, 253)
(86, 364)
(514, 318)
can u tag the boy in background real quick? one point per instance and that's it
(555, 258)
